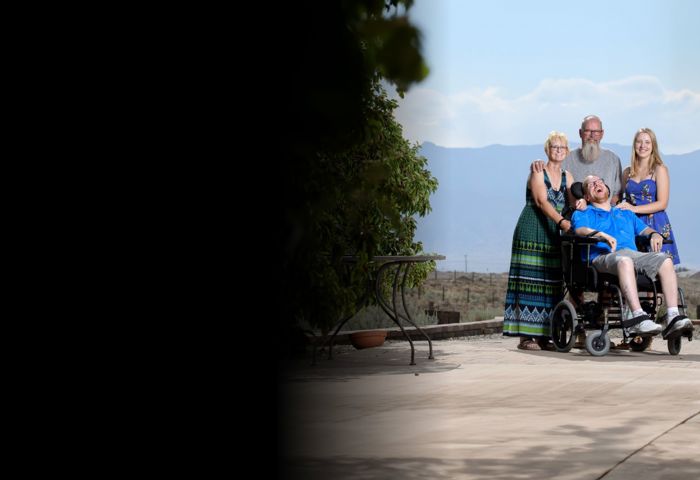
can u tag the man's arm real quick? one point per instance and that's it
(656, 240)
(618, 187)
(537, 166)
(602, 236)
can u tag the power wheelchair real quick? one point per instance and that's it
(594, 319)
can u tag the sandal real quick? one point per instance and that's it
(529, 345)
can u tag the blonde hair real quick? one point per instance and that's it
(655, 157)
(553, 135)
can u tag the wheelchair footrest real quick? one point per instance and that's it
(634, 321)
(687, 331)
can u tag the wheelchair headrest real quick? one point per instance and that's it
(577, 190)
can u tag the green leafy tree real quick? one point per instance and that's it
(353, 184)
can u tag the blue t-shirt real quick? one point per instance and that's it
(621, 224)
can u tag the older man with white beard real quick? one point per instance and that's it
(591, 159)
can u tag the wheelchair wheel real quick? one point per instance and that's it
(598, 344)
(674, 345)
(563, 326)
(639, 344)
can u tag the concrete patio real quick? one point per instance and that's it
(482, 409)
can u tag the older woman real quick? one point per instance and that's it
(535, 278)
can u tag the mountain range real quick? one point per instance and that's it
(481, 193)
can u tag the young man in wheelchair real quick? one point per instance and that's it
(617, 254)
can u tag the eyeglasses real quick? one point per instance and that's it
(596, 182)
(593, 132)
(557, 147)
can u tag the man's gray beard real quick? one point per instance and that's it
(590, 151)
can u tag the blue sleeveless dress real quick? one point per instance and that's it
(643, 193)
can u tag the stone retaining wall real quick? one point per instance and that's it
(435, 332)
(438, 332)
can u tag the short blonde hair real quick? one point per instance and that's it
(554, 135)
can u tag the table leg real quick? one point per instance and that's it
(391, 312)
(360, 305)
(408, 315)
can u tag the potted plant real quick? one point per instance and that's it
(368, 338)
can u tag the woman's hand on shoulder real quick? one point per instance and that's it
(626, 206)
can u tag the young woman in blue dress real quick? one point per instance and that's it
(647, 187)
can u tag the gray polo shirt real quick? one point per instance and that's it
(607, 167)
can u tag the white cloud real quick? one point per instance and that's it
(477, 117)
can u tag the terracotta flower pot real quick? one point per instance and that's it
(368, 339)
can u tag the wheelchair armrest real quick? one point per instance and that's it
(643, 242)
(579, 239)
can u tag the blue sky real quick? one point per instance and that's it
(504, 72)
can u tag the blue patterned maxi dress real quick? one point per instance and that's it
(643, 193)
(535, 283)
